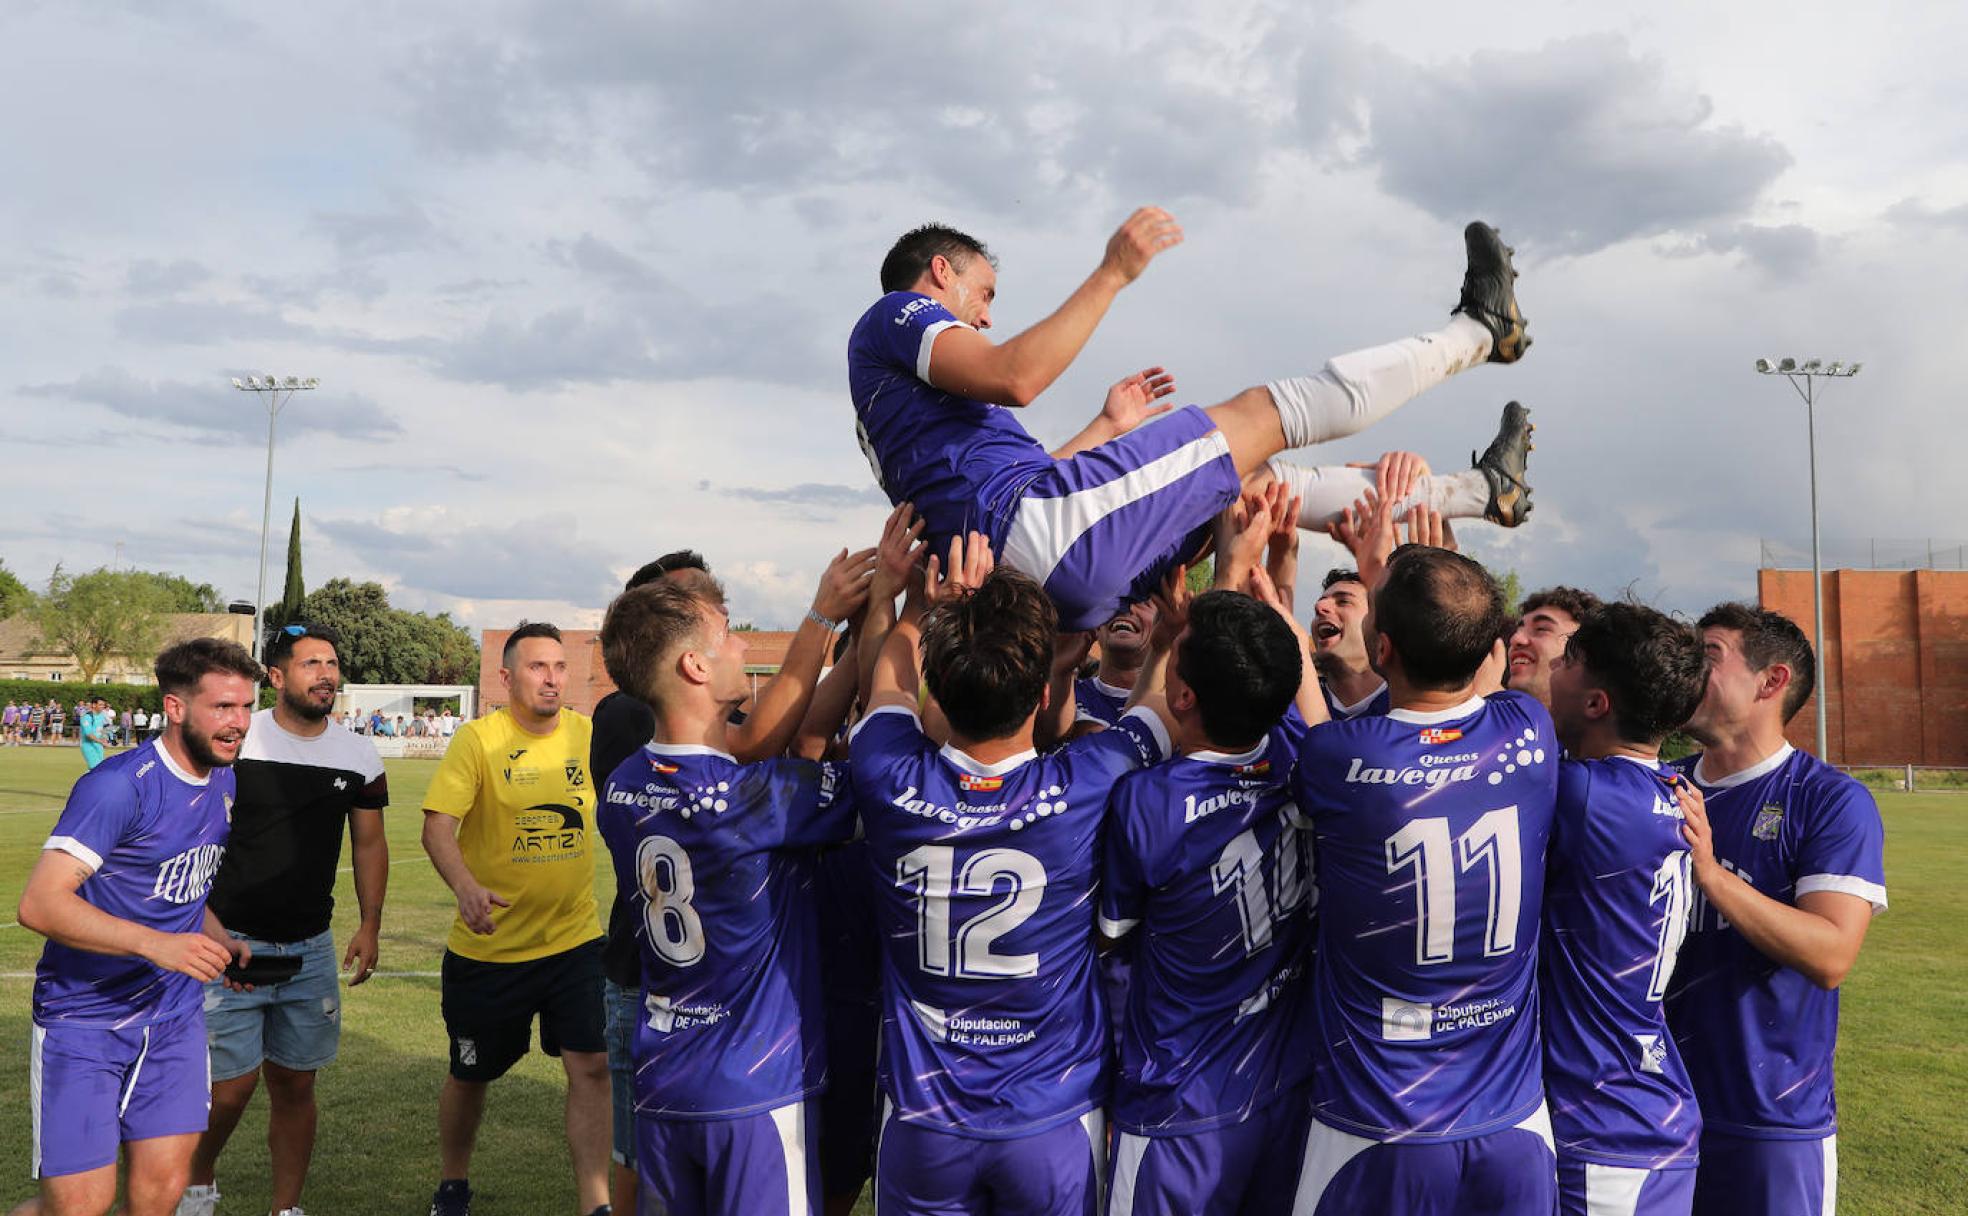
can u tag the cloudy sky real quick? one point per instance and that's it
(577, 280)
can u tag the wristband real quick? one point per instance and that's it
(813, 614)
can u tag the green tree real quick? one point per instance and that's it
(15, 597)
(1513, 590)
(385, 645)
(181, 594)
(293, 593)
(100, 614)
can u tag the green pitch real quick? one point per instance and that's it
(1902, 1065)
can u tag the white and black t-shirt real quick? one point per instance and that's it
(277, 882)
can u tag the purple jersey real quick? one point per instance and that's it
(993, 1025)
(153, 835)
(709, 853)
(1207, 856)
(1096, 701)
(1757, 1036)
(963, 463)
(1429, 834)
(1615, 909)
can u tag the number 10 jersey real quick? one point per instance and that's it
(1429, 834)
(993, 1024)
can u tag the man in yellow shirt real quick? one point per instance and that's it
(508, 822)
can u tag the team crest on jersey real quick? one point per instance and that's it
(576, 775)
(1769, 821)
(1436, 736)
(1260, 769)
(228, 807)
(974, 784)
(665, 769)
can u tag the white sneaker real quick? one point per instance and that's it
(199, 1201)
(290, 1212)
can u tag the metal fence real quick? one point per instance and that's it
(1867, 553)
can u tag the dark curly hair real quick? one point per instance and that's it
(986, 657)
(1769, 638)
(1651, 666)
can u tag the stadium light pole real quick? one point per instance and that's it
(277, 391)
(1804, 377)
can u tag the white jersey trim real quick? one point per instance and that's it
(929, 344)
(1116, 929)
(38, 1040)
(1762, 768)
(1156, 727)
(74, 848)
(1225, 758)
(1455, 713)
(686, 749)
(872, 714)
(1354, 710)
(1613, 1190)
(977, 768)
(171, 766)
(1045, 529)
(1845, 884)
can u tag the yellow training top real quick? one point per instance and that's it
(526, 812)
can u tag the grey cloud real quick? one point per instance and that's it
(1577, 145)
(1913, 213)
(147, 277)
(416, 470)
(215, 409)
(1784, 252)
(401, 227)
(538, 558)
(199, 322)
(821, 496)
(59, 286)
(602, 261)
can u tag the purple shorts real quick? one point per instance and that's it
(1507, 1173)
(1743, 1177)
(1586, 1188)
(1244, 1169)
(1103, 528)
(759, 1163)
(920, 1171)
(91, 1090)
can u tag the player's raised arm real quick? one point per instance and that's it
(965, 362)
(1310, 701)
(1130, 402)
(781, 704)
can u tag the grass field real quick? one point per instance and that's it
(1902, 1061)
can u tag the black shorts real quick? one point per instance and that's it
(489, 1008)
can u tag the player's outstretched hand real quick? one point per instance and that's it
(899, 552)
(1395, 474)
(970, 563)
(1131, 402)
(192, 954)
(1427, 526)
(844, 584)
(1695, 827)
(1265, 591)
(475, 904)
(1367, 529)
(1143, 235)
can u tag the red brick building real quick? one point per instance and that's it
(1895, 660)
(587, 677)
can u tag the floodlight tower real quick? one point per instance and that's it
(277, 392)
(1804, 377)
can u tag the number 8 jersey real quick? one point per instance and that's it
(993, 1025)
(1429, 833)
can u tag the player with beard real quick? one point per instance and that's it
(1101, 521)
(1615, 911)
(301, 778)
(1546, 619)
(1788, 857)
(118, 1053)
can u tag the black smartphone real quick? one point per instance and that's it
(264, 970)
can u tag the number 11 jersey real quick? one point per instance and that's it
(1429, 834)
(993, 1025)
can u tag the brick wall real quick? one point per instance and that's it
(1895, 660)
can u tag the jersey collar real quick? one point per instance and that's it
(1353, 710)
(977, 768)
(171, 766)
(1454, 713)
(1762, 768)
(1225, 758)
(686, 749)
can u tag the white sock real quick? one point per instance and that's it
(1354, 391)
(1325, 492)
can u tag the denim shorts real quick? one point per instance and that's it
(622, 1005)
(296, 1024)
